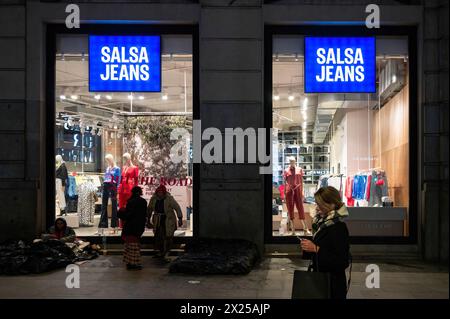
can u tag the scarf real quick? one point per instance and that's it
(332, 218)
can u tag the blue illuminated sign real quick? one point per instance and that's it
(124, 63)
(340, 65)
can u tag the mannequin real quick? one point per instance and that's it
(293, 180)
(129, 179)
(110, 183)
(61, 181)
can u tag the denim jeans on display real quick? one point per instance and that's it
(109, 191)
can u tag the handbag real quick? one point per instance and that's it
(311, 284)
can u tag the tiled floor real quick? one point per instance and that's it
(106, 277)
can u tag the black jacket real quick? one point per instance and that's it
(333, 256)
(134, 217)
(61, 173)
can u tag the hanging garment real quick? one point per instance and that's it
(349, 191)
(61, 200)
(61, 173)
(368, 185)
(379, 188)
(293, 177)
(128, 180)
(86, 203)
(359, 186)
(72, 187)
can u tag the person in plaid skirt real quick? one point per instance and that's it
(134, 216)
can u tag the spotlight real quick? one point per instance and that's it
(62, 97)
(97, 96)
(74, 97)
(291, 97)
(130, 97)
(141, 97)
(108, 97)
(164, 97)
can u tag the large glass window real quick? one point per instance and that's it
(355, 142)
(126, 130)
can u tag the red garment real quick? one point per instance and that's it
(348, 191)
(281, 189)
(293, 179)
(128, 180)
(369, 180)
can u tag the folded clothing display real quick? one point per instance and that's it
(19, 258)
(217, 256)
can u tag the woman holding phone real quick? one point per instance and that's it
(330, 247)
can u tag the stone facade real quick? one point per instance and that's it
(231, 50)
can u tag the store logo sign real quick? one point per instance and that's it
(124, 63)
(340, 65)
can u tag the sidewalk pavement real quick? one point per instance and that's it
(106, 277)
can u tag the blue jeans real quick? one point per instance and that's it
(109, 190)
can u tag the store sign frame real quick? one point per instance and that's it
(125, 63)
(340, 64)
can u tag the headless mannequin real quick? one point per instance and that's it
(293, 194)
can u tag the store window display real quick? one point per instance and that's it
(113, 141)
(358, 143)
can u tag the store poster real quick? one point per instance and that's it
(147, 139)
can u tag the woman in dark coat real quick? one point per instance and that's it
(134, 217)
(330, 246)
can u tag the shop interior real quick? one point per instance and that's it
(127, 130)
(357, 143)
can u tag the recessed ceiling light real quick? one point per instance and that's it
(74, 97)
(62, 97)
(141, 97)
(130, 97)
(276, 97)
(291, 98)
(164, 97)
(108, 97)
(97, 96)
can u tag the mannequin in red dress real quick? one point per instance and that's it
(293, 180)
(128, 180)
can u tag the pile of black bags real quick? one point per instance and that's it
(19, 258)
(217, 256)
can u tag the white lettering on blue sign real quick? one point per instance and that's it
(339, 65)
(124, 64)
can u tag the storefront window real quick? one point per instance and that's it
(355, 141)
(128, 130)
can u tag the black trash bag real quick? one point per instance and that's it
(18, 258)
(13, 265)
(217, 256)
